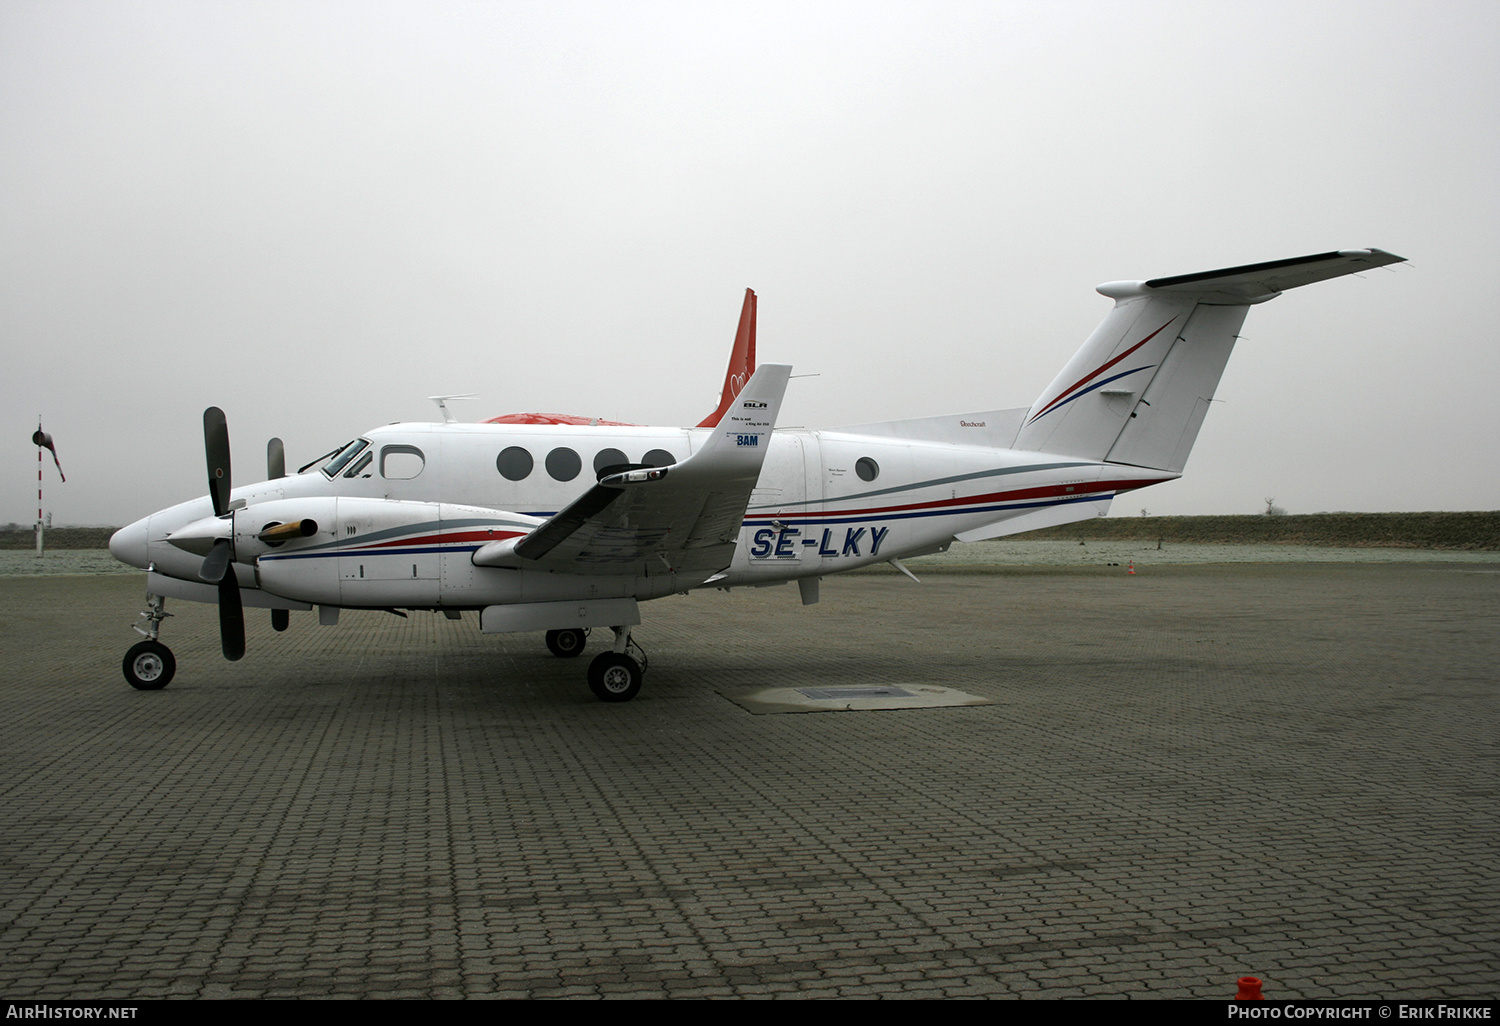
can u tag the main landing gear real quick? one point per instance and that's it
(569, 643)
(614, 676)
(149, 665)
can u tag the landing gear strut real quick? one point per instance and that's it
(149, 665)
(616, 676)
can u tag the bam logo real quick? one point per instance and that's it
(747, 439)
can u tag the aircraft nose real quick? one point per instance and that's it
(128, 544)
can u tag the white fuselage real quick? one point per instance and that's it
(398, 529)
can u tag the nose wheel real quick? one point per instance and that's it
(149, 666)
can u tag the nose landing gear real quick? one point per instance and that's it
(149, 665)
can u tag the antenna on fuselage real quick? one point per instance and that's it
(442, 401)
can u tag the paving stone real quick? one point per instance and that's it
(1187, 776)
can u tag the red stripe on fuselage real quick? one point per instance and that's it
(1042, 492)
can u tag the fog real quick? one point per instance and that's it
(314, 216)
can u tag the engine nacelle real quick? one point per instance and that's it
(364, 552)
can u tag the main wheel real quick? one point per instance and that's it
(566, 643)
(614, 678)
(149, 666)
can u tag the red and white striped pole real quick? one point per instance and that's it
(42, 440)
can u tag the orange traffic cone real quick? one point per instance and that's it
(1132, 567)
(1249, 990)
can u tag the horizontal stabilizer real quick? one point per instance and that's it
(1256, 283)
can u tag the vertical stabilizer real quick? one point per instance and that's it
(741, 361)
(1138, 390)
(1089, 403)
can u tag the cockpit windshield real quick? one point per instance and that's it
(344, 455)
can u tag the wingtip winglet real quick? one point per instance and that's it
(747, 423)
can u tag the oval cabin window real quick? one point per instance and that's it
(608, 458)
(563, 464)
(514, 464)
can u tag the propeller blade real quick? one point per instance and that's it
(280, 619)
(231, 618)
(217, 562)
(275, 459)
(216, 445)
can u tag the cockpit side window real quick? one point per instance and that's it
(359, 465)
(345, 454)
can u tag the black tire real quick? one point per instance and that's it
(566, 643)
(614, 678)
(149, 666)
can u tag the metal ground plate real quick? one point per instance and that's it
(852, 698)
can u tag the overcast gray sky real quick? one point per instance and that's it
(316, 214)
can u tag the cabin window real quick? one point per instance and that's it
(658, 458)
(563, 464)
(401, 462)
(867, 469)
(345, 454)
(608, 458)
(514, 464)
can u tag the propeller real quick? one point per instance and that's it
(216, 565)
(275, 468)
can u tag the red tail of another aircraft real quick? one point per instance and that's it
(741, 360)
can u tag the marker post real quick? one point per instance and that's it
(42, 440)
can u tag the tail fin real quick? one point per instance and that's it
(741, 361)
(1137, 392)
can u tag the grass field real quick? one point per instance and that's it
(1465, 531)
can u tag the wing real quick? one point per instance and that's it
(681, 519)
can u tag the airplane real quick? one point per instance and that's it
(562, 524)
